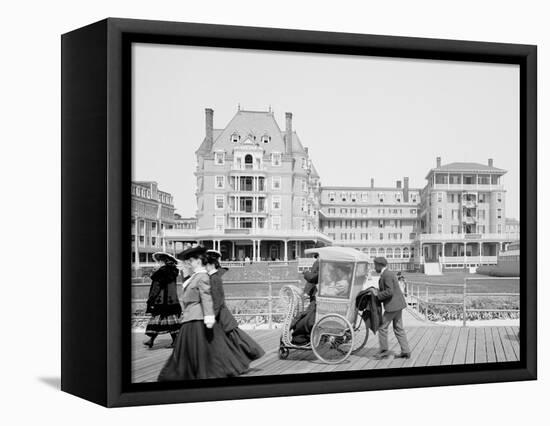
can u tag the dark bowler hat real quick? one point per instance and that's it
(164, 257)
(214, 253)
(381, 261)
(191, 252)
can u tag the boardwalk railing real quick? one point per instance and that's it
(421, 297)
(266, 315)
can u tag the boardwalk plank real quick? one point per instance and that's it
(499, 349)
(427, 350)
(471, 346)
(414, 337)
(460, 351)
(480, 346)
(449, 353)
(489, 345)
(437, 354)
(507, 345)
(419, 348)
(512, 335)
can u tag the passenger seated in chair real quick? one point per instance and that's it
(340, 285)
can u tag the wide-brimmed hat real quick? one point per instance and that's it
(381, 261)
(191, 252)
(161, 256)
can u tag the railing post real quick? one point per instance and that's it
(426, 308)
(270, 305)
(464, 303)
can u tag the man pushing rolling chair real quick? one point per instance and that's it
(394, 302)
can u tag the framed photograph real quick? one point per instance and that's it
(256, 212)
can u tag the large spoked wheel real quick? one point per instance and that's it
(332, 339)
(361, 334)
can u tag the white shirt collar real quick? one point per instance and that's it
(212, 272)
(383, 269)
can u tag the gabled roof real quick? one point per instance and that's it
(254, 124)
(466, 167)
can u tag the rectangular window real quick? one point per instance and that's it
(439, 229)
(220, 182)
(454, 214)
(381, 236)
(499, 197)
(331, 210)
(276, 222)
(454, 229)
(219, 222)
(481, 229)
(276, 159)
(331, 196)
(276, 203)
(439, 197)
(499, 229)
(440, 213)
(343, 210)
(380, 223)
(220, 202)
(353, 197)
(381, 197)
(365, 197)
(364, 236)
(276, 182)
(304, 163)
(481, 214)
(499, 213)
(343, 236)
(219, 158)
(398, 197)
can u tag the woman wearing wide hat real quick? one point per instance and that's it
(192, 354)
(163, 303)
(234, 347)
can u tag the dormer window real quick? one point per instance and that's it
(331, 196)
(353, 197)
(235, 138)
(265, 139)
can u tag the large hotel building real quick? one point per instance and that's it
(260, 196)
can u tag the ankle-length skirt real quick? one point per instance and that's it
(202, 353)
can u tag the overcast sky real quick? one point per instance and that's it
(361, 117)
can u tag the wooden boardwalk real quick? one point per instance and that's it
(430, 345)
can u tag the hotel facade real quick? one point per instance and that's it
(259, 196)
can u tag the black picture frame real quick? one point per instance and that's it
(96, 142)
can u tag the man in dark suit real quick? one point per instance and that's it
(394, 302)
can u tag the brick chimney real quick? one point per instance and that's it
(288, 133)
(398, 184)
(438, 162)
(209, 128)
(372, 182)
(406, 189)
(490, 162)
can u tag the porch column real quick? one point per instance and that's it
(296, 249)
(480, 252)
(421, 254)
(233, 250)
(286, 250)
(443, 251)
(253, 249)
(465, 244)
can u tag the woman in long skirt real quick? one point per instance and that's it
(237, 349)
(192, 356)
(163, 303)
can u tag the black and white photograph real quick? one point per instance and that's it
(298, 213)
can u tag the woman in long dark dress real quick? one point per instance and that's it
(192, 357)
(163, 303)
(242, 347)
